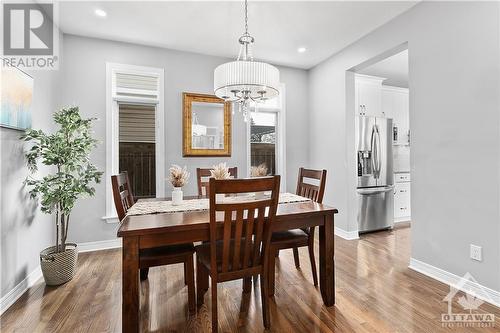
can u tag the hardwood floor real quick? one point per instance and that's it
(375, 292)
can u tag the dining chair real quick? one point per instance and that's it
(240, 250)
(295, 238)
(203, 175)
(159, 256)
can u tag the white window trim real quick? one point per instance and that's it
(280, 138)
(112, 144)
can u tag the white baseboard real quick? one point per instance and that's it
(402, 219)
(472, 287)
(111, 219)
(100, 245)
(20, 289)
(349, 235)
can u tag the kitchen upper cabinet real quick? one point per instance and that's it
(401, 116)
(395, 105)
(369, 95)
(387, 103)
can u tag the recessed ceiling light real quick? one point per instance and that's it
(100, 13)
(301, 49)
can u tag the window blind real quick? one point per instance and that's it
(136, 85)
(137, 123)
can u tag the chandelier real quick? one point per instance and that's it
(245, 81)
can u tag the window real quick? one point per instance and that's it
(137, 147)
(135, 138)
(263, 140)
(266, 136)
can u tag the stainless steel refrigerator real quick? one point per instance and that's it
(375, 173)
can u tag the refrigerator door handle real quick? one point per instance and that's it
(374, 152)
(379, 152)
(375, 190)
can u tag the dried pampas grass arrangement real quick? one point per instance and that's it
(220, 171)
(178, 176)
(258, 171)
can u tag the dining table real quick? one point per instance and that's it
(152, 230)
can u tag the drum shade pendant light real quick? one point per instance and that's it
(244, 81)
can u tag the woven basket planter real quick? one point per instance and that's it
(59, 268)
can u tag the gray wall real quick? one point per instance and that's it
(24, 229)
(454, 120)
(84, 85)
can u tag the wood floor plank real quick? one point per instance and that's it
(375, 292)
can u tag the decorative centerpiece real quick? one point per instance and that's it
(67, 153)
(258, 171)
(178, 177)
(220, 171)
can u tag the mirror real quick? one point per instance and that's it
(206, 126)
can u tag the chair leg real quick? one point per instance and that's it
(215, 325)
(296, 257)
(189, 278)
(185, 273)
(265, 301)
(313, 263)
(247, 284)
(272, 271)
(310, 246)
(144, 273)
(201, 282)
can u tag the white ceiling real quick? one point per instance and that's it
(394, 68)
(213, 28)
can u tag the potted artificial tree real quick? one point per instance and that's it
(67, 152)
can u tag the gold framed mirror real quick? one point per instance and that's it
(206, 126)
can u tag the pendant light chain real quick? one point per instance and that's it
(246, 40)
(246, 17)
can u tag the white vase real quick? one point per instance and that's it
(177, 196)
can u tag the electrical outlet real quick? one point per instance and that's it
(476, 252)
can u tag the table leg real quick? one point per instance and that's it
(326, 261)
(130, 285)
(201, 281)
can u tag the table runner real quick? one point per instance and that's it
(164, 206)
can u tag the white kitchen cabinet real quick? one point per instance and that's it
(395, 105)
(402, 177)
(402, 200)
(387, 103)
(369, 95)
(400, 109)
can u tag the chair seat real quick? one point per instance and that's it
(165, 255)
(203, 254)
(294, 235)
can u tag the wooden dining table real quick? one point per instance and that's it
(156, 230)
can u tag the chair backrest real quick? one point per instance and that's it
(314, 192)
(246, 228)
(122, 194)
(203, 176)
